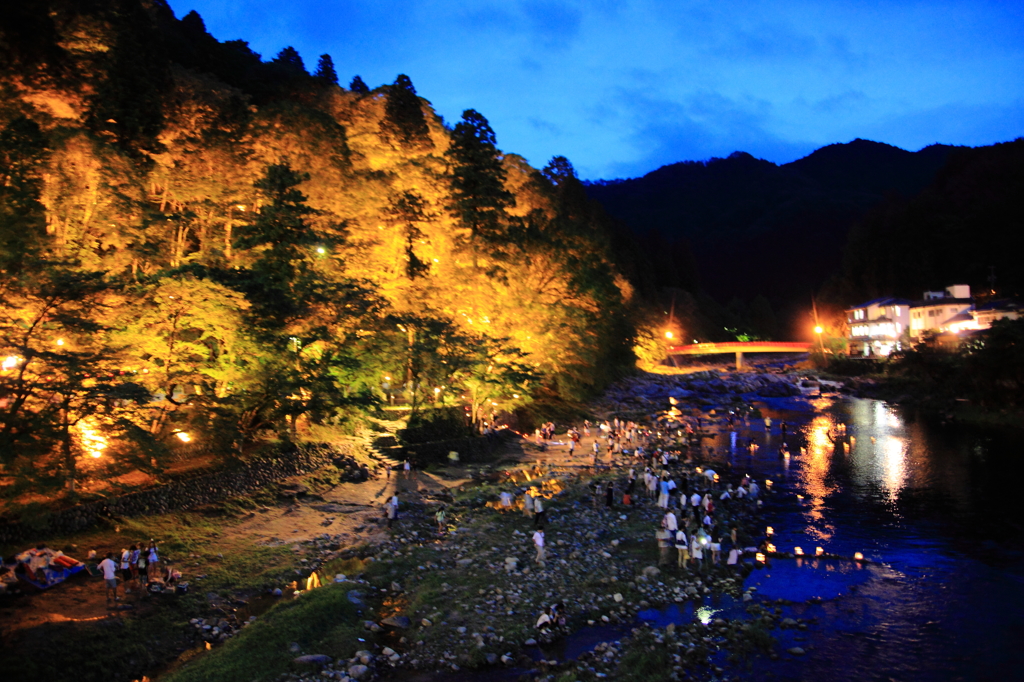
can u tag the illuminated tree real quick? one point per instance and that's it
(59, 373)
(479, 197)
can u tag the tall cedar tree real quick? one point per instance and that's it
(325, 73)
(404, 113)
(479, 197)
(128, 104)
(358, 86)
(280, 277)
(23, 148)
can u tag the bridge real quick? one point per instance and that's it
(739, 348)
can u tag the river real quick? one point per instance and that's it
(937, 508)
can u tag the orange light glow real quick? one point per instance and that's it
(819, 329)
(184, 437)
(760, 558)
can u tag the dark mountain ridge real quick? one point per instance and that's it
(758, 228)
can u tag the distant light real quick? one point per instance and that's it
(515, 395)
(10, 362)
(436, 260)
(436, 391)
(857, 556)
(799, 551)
(819, 329)
(321, 250)
(387, 378)
(184, 437)
(60, 342)
(759, 558)
(669, 335)
(770, 548)
(818, 551)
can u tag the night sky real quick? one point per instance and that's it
(623, 87)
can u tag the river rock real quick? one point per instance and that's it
(315, 659)
(797, 651)
(294, 647)
(358, 671)
(400, 622)
(651, 572)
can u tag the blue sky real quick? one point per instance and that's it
(622, 87)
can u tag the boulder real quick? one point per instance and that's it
(651, 572)
(314, 659)
(400, 622)
(358, 671)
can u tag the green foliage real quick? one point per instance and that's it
(321, 621)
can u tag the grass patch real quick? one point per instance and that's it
(322, 621)
(644, 660)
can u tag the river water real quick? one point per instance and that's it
(936, 507)
(938, 511)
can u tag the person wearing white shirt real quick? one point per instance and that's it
(538, 542)
(670, 522)
(683, 548)
(109, 568)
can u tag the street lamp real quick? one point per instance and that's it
(669, 335)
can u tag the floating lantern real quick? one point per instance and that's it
(760, 558)
(699, 470)
(770, 548)
(857, 556)
(717, 479)
(767, 483)
(818, 551)
(769, 530)
(799, 551)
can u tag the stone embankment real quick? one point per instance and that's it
(647, 391)
(242, 479)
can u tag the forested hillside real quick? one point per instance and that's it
(263, 249)
(765, 235)
(967, 226)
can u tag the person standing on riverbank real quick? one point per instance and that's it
(538, 542)
(152, 562)
(683, 549)
(538, 513)
(109, 568)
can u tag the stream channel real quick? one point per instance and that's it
(936, 508)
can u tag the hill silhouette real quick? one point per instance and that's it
(758, 228)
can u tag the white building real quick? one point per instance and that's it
(941, 311)
(877, 326)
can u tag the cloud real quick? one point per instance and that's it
(703, 125)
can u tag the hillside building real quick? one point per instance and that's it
(878, 326)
